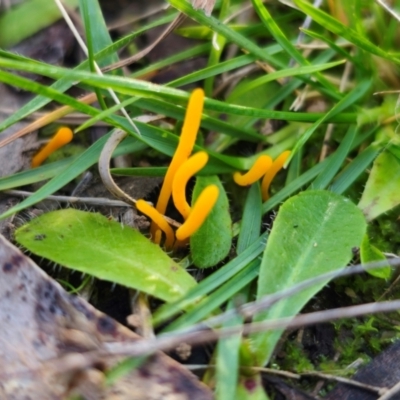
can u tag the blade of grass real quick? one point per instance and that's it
(280, 37)
(217, 298)
(335, 161)
(335, 26)
(349, 100)
(289, 72)
(357, 167)
(47, 171)
(74, 169)
(65, 83)
(149, 90)
(251, 219)
(213, 281)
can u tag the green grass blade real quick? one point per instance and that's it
(284, 74)
(47, 171)
(79, 165)
(227, 360)
(213, 281)
(217, 298)
(149, 90)
(280, 37)
(65, 83)
(333, 25)
(349, 100)
(251, 219)
(335, 161)
(357, 167)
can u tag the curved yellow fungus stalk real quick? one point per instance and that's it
(188, 169)
(259, 168)
(187, 139)
(158, 218)
(63, 136)
(270, 175)
(201, 209)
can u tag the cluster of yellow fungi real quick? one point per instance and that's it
(184, 166)
(263, 167)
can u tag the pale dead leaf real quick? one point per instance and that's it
(41, 323)
(206, 5)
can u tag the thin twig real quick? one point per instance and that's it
(170, 340)
(391, 392)
(376, 389)
(202, 334)
(94, 201)
(104, 170)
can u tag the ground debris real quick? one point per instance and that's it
(41, 323)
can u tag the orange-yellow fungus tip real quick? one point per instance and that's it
(188, 169)
(270, 175)
(186, 142)
(200, 211)
(159, 219)
(63, 136)
(259, 168)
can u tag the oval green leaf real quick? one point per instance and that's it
(212, 242)
(368, 254)
(314, 233)
(381, 192)
(90, 243)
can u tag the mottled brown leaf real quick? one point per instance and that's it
(43, 326)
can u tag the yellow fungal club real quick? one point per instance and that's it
(159, 219)
(270, 175)
(200, 211)
(63, 136)
(259, 169)
(188, 169)
(187, 139)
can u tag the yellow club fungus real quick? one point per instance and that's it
(269, 176)
(259, 169)
(188, 169)
(63, 136)
(187, 139)
(201, 209)
(159, 219)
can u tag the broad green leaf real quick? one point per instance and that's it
(313, 233)
(381, 193)
(92, 244)
(212, 242)
(369, 253)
